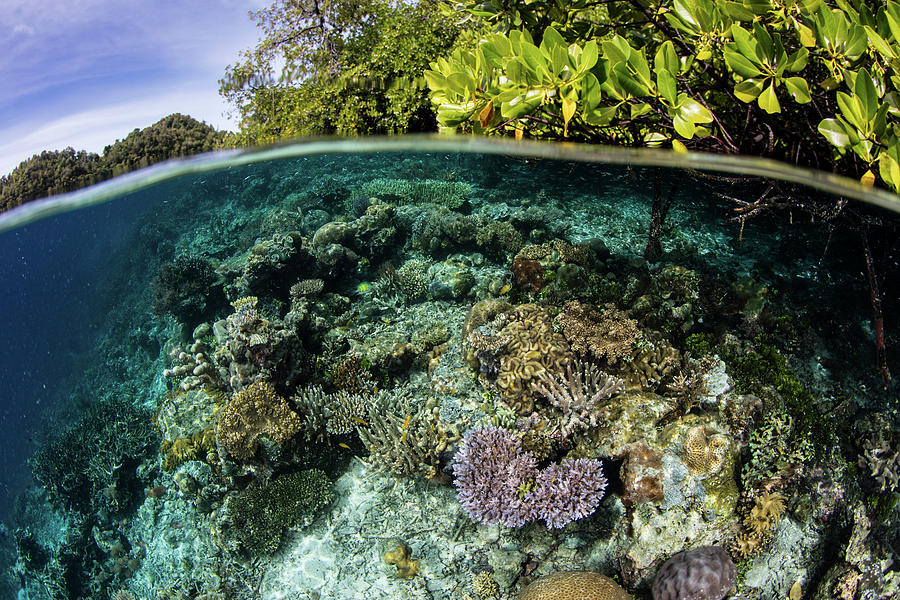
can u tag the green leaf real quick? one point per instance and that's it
(666, 58)
(534, 58)
(851, 109)
(745, 43)
(683, 126)
(630, 85)
(590, 92)
(864, 89)
(878, 42)
(522, 104)
(834, 132)
(740, 64)
(797, 61)
(738, 11)
(552, 39)
(749, 89)
(798, 89)
(461, 83)
(665, 83)
(640, 109)
(588, 56)
(768, 101)
(693, 110)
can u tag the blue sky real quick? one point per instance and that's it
(84, 73)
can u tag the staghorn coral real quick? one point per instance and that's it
(255, 411)
(329, 414)
(498, 482)
(705, 451)
(607, 335)
(577, 394)
(704, 573)
(882, 461)
(533, 347)
(403, 434)
(574, 585)
(307, 288)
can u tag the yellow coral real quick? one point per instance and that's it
(704, 451)
(252, 412)
(759, 524)
(574, 585)
(401, 557)
(245, 301)
(484, 586)
(533, 347)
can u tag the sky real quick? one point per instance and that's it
(84, 73)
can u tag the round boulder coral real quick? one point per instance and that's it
(574, 585)
(705, 573)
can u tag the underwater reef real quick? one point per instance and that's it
(443, 377)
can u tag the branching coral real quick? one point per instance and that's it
(329, 414)
(192, 364)
(404, 435)
(577, 394)
(882, 462)
(253, 412)
(499, 482)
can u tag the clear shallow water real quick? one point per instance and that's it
(747, 356)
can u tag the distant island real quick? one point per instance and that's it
(58, 171)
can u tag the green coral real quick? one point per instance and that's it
(259, 514)
(87, 464)
(451, 194)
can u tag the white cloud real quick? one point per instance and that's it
(22, 28)
(96, 128)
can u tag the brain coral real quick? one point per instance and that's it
(574, 585)
(704, 573)
(704, 451)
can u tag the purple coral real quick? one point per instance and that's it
(498, 482)
(704, 573)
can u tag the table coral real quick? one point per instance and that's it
(608, 335)
(255, 411)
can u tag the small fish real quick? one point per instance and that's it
(505, 288)
(406, 422)
(343, 445)
(361, 421)
(796, 591)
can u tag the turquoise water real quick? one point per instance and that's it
(445, 374)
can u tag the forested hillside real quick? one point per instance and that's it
(54, 172)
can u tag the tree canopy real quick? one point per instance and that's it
(805, 81)
(336, 67)
(55, 172)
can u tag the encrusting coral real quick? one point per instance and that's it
(401, 557)
(253, 412)
(574, 585)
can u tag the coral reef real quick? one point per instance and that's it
(401, 557)
(187, 288)
(255, 411)
(533, 347)
(759, 523)
(705, 451)
(192, 363)
(577, 394)
(499, 482)
(574, 585)
(704, 573)
(451, 194)
(257, 516)
(882, 460)
(608, 335)
(325, 415)
(93, 463)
